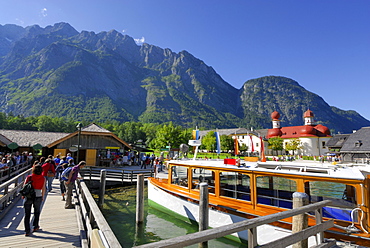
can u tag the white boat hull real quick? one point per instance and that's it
(265, 233)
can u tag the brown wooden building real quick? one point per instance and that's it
(96, 143)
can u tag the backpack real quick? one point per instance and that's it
(65, 173)
(27, 190)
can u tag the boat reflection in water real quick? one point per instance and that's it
(119, 210)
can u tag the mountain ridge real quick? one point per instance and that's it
(59, 71)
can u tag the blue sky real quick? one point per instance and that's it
(322, 44)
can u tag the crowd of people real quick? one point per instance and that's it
(44, 171)
(144, 160)
(9, 160)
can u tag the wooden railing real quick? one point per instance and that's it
(10, 190)
(9, 172)
(97, 232)
(251, 225)
(115, 174)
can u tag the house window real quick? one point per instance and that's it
(323, 144)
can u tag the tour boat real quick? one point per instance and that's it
(251, 189)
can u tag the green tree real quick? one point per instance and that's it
(293, 145)
(169, 134)
(209, 141)
(276, 144)
(243, 148)
(227, 142)
(131, 132)
(150, 130)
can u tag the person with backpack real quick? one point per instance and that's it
(69, 183)
(59, 170)
(49, 172)
(39, 185)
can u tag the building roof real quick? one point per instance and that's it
(358, 142)
(94, 128)
(4, 141)
(91, 129)
(49, 139)
(231, 131)
(30, 138)
(337, 140)
(299, 132)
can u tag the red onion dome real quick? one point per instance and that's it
(323, 129)
(307, 131)
(274, 132)
(275, 115)
(308, 113)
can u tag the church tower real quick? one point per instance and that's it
(308, 118)
(275, 119)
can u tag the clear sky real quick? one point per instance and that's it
(322, 44)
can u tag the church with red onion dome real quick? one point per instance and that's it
(313, 137)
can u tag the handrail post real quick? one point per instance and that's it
(300, 221)
(140, 199)
(203, 210)
(318, 217)
(252, 237)
(103, 176)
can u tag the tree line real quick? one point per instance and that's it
(156, 136)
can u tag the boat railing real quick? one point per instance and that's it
(251, 225)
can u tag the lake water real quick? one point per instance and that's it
(119, 210)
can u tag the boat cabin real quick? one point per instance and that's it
(265, 188)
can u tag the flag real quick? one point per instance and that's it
(252, 146)
(236, 145)
(263, 158)
(195, 134)
(218, 144)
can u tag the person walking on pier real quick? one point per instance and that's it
(39, 184)
(49, 172)
(70, 183)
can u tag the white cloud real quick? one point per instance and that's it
(19, 21)
(44, 12)
(140, 41)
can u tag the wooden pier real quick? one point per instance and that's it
(83, 226)
(58, 226)
(123, 175)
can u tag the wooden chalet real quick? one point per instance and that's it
(96, 143)
(357, 146)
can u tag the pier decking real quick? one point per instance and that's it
(58, 226)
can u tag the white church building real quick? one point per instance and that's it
(313, 137)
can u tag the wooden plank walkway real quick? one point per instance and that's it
(58, 226)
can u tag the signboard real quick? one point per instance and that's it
(112, 147)
(194, 142)
(73, 149)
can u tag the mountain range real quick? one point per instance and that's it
(60, 72)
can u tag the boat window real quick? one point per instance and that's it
(275, 191)
(200, 175)
(235, 185)
(343, 198)
(180, 175)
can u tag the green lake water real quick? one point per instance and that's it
(119, 210)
